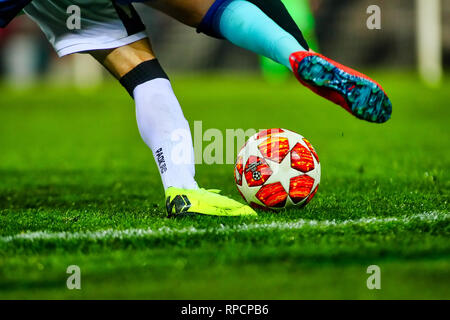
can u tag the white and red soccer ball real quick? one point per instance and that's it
(277, 169)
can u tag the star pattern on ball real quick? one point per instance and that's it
(295, 170)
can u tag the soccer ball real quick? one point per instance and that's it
(277, 169)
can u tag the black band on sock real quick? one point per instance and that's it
(144, 72)
(276, 10)
(208, 25)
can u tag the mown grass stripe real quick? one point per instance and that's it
(428, 217)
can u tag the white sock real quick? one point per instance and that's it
(165, 130)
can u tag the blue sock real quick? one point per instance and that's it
(246, 26)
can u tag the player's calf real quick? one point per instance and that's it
(158, 113)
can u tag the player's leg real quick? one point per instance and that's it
(241, 22)
(115, 36)
(159, 116)
(265, 27)
(165, 130)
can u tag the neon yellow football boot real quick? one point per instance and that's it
(208, 202)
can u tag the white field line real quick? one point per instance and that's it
(110, 234)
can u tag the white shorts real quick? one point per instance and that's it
(104, 24)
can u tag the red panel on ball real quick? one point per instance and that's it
(272, 195)
(301, 158)
(268, 133)
(239, 169)
(300, 187)
(275, 148)
(312, 194)
(256, 171)
(311, 148)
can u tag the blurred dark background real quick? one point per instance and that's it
(340, 31)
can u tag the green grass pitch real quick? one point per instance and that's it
(79, 187)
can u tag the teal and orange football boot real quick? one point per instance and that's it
(352, 90)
